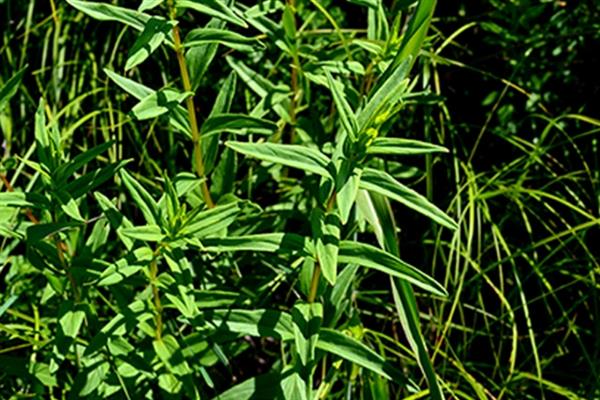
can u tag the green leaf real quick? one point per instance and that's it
(169, 352)
(346, 195)
(371, 257)
(264, 242)
(135, 89)
(383, 183)
(156, 30)
(71, 323)
(257, 323)
(14, 199)
(39, 232)
(347, 117)
(9, 89)
(149, 4)
(199, 58)
(178, 117)
(404, 297)
(237, 123)
(149, 233)
(211, 221)
(326, 235)
(356, 352)
(293, 386)
(108, 12)
(116, 219)
(142, 198)
(233, 40)
(307, 319)
(385, 96)
(214, 8)
(295, 156)
(66, 171)
(403, 147)
(159, 103)
(264, 386)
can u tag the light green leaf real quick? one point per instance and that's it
(159, 103)
(71, 323)
(371, 257)
(326, 235)
(383, 183)
(356, 352)
(307, 318)
(295, 156)
(14, 199)
(347, 117)
(142, 198)
(264, 386)
(257, 323)
(169, 352)
(211, 221)
(385, 96)
(237, 123)
(214, 8)
(293, 386)
(346, 196)
(156, 30)
(233, 40)
(404, 147)
(108, 12)
(264, 242)
(149, 233)
(149, 4)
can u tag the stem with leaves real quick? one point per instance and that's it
(191, 109)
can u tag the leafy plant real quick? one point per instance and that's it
(160, 287)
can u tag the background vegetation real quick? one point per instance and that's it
(117, 279)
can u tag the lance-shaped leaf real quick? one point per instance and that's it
(159, 103)
(9, 89)
(149, 4)
(383, 183)
(350, 349)
(346, 195)
(210, 221)
(382, 219)
(265, 386)
(142, 198)
(347, 117)
(385, 96)
(263, 242)
(14, 199)
(257, 323)
(154, 34)
(237, 123)
(214, 8)
(307, 318)
(108, 12)
(233, 40)
(403, 147)
(326, 235)
(372, 257)
(148, 233)
(178, 117)
(290, 155)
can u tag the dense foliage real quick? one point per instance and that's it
(299, 200)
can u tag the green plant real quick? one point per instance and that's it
(159, 284)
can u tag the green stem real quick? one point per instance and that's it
(191, 109)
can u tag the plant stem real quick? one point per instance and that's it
(156, 296)
(314, 284)
(191, 109)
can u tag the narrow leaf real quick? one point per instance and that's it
(383, 183)
(290, 155)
